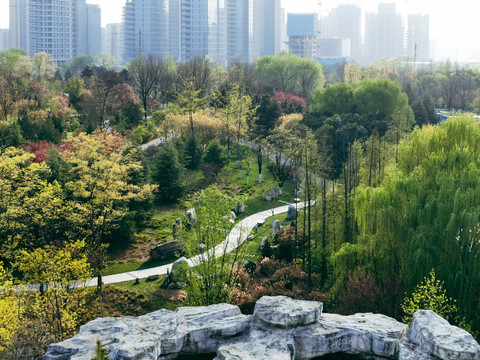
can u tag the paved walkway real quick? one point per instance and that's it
(235, 238)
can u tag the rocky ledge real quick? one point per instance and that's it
(280, 329)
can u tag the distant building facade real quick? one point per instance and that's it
(145, 28)
(203, 30)
(302, 32)
(94, 29)
(114, 41)
(4, 39)
(384, 36)
(271, 31)
(243, 19)
(334, 48)
(18, 24)
(223, 30)
(418, 37)
(344, 22)
(57, 27)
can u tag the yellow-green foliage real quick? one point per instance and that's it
(9, 311)
(430, 295)
(56, 268)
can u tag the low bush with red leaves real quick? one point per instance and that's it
(41, 149)
(295, 100)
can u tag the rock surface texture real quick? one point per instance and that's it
(280, 328)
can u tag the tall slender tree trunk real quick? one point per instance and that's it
(323, 278)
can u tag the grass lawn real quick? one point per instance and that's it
(132, 265)
(158, 298)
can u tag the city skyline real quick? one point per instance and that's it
(450, 27)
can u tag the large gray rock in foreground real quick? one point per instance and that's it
(280, 328)
(434, 335)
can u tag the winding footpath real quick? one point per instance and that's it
(235, 238)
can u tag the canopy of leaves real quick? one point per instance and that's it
(290, 73)
(426, 213)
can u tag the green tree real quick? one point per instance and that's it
(214, 159)
(242, 110)
(290, 73)
(145, 75)
(334, 99)
(55, 268)
(168, 174)
(10, 312)
(74, 88)
(430, 294)
(425, 213)
(15, 63)
(189, 100)
(212, 274)
(193, 152)
(43, 66)
(32, 211)
(100, 352)
(102, 168)
(285, 156)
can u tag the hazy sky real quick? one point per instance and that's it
(453, 24)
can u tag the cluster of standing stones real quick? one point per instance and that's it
(280, 328)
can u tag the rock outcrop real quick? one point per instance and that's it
(280, 328)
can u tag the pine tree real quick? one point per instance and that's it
(100, 352)
(168, 174)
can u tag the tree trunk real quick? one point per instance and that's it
(99, 281)
(323, 278)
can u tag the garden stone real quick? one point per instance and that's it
(274, 192)
(262, 245)
(233, 215)
(276, 226)
(172, 286)
(291, 212)
(177, 227)
(240, 207)
(191, 217)
(281, 311)
(176, 264)
(167, 250)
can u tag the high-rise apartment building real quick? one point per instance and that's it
(243, 29)
(4, 39)
(344, 22)
(51, 29)
(302, 31)
(418, 37)
(145, 28)
(18, 24)
(114, 41)
(384, 33)
(271, 32)
(79, 26)
(94, 29)
(57, 27)
(174, 33)
(202, 30)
